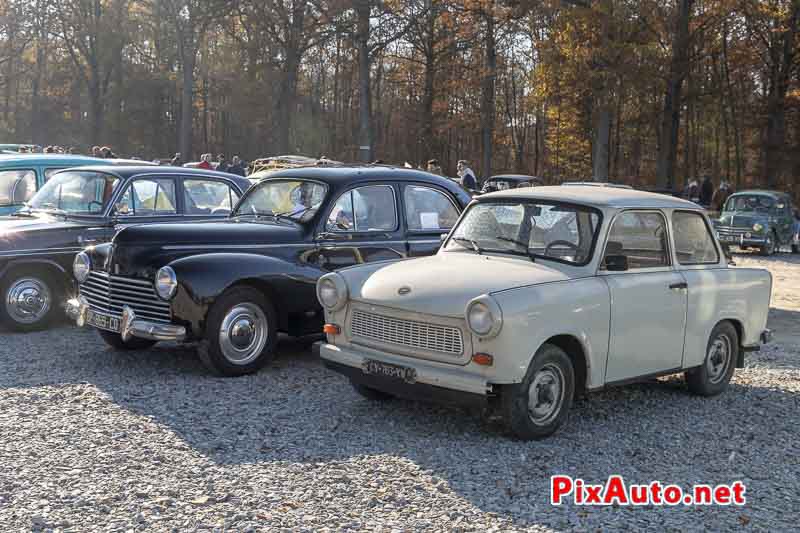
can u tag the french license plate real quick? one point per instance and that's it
(387, 370)
(728, 238)
(99, 320)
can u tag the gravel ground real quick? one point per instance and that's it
(94, 440)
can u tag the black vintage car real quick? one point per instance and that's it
(235, 284)
(87, 205)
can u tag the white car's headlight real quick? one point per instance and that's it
(166, 283)
(81, 266)
(332, 291)
(484, 316)
(758, 227)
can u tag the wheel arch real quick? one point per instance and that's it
(269, 291)
(739, 327)
(47, 266)
(576, 351)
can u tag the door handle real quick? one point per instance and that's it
(679, 286)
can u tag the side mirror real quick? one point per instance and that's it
(616, 263)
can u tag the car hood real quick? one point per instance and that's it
(742, 219)
(209, 234)
(41, 231)
(443, 284)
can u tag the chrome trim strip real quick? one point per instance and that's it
(40, 251)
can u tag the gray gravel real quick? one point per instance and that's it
(94, 440)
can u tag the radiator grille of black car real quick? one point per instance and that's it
(727, 230)
(108, 294)
(407, 333)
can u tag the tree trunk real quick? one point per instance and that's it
(288, 89)
(488, 93)
(671, 113)
(601, 143)
(188, 53)
(365, 140)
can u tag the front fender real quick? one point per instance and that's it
(203, 278)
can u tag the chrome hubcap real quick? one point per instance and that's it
(718, 358)
(28, 300)
(243, 334)
(546, 394)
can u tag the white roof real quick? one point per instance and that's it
(596, 196)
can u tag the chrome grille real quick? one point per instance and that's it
(407, 333)
(107, 294)
(727, 230)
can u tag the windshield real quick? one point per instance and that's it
(559, 232)
(79, 193)
(749, 202)
(295, 199)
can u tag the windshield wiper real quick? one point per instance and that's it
(518, 243)
(473, 244)
(291, 215)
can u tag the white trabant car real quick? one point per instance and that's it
(540, 294)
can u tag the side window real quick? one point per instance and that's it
(369, 208)
(207, 197)
(428, 209)
(148, 197)
(16, 186)
(641, 237)
(693, 241)
(48, 172)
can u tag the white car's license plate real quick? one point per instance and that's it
(387, 370)
(102, 321)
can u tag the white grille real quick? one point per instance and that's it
(407, 333)
(108, 294)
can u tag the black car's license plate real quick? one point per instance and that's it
(99, 320)
(377, 368)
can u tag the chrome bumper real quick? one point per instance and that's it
(130, 325)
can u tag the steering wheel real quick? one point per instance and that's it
(95, 202)
(561, 243)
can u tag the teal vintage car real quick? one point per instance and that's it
(759, 219)
(21, 175)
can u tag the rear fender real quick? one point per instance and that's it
(203, 278)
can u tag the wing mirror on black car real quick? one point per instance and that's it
(616, 263)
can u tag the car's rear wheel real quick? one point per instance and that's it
(114, 340)
(722, 352)
(537, 407)
(30, 300)
(241, 333)
(371, 394)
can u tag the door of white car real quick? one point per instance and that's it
(648, 298)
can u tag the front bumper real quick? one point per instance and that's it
(434, 382)
(743, 240)
(130, 324)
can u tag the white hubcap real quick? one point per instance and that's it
(28, 300)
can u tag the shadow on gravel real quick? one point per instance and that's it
(295, 411)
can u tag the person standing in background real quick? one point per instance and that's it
(236, 167)
(222, 164)
(706, 191)
(96, 151)
(176, 161)
(434, 167)
(205, 162)
(468, 179)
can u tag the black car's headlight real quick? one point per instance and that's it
(81, 267)
(166, 283)
(758, 227)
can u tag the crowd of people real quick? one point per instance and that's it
(706, 194)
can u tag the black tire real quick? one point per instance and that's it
(371, 394)
(549, 363)
(15, 284)
(796, 248)
(115, 341)
(772, 245)
(712, 377)
(216, 352)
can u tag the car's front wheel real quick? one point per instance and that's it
(241, 333)
(115, 341)
(722, 352)
(537, 407)
(770, 246)
(30, 300)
